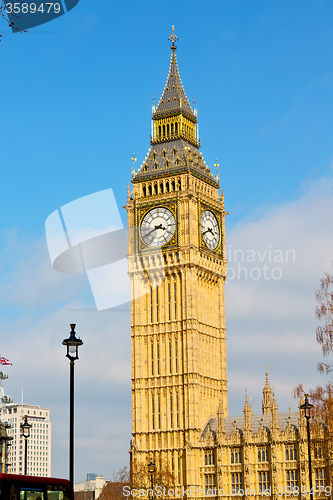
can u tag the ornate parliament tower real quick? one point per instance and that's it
(177, 268)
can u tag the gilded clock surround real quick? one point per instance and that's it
(219, 215)
(141, 212)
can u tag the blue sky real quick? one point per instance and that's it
(76, 104)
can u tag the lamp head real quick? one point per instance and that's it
(72, 344)
(306, 406)
(25, 427)
(151, 467)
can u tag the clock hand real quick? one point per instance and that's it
(155, 228)
(209, 230)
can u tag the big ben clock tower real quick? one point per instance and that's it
(177, 268)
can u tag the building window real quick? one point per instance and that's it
(236, 457)
(157, 304)
(159, 411)
(158, 358)
(320, 475)
(176, 355)
(236, 482)
(151, 305)
(153, 411)
(177, 411)
(169, 301)
(171, 410)
(319, 450)
(175, 298)
(152, 357)
(291, 453)
(210, 484)
(263, 481)
(263, 455)
(209, 457)
(292, 479)
(170, 358)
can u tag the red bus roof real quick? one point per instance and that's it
(34, 479)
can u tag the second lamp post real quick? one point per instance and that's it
(307, 407)
(72, 344)
(25, 429)
(151, 470)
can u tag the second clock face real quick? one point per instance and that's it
(210, 229)
(158, 227)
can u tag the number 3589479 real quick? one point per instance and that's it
(32, 8)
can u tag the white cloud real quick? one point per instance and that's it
(27, 277)
(273, 321)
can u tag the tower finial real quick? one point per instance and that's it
(216, 165)
(172, 39)
(133, 168)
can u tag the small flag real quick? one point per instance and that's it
(4, 361)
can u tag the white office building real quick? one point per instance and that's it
(39, 442)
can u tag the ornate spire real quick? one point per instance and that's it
(267, 401)
(247, 415)
(220, 422)
(174, 135)
(274, 421)
(172, 39)
(174, 99)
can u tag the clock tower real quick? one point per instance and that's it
(177, 267)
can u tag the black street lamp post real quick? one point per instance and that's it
(307, 407)
(151, 470)
(72, 344)
(25, 429)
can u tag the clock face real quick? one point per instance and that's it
(210, 229)
(158, 227)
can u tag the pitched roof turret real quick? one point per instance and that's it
(174, 99)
